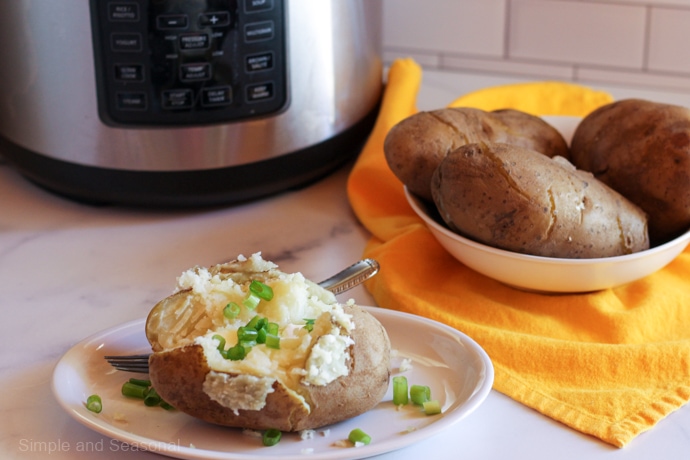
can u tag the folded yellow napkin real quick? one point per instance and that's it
(610, 364)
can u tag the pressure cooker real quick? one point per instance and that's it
(185, 102)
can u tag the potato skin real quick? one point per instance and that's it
(642, 150)
(414, 147)
(516, 199)
(178, 376)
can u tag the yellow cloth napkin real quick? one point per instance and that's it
(610, 364)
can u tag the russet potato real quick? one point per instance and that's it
(415, 146)
(517, 199)
(337, 368)
(641, 149)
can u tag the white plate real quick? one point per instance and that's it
(458, 371)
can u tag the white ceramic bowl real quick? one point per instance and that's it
(547, 274)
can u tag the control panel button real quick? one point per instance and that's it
(215, 19)
(172, 22)
(129, 72)
(259, 31)
(123, 11)
(194, 41)
(253, 6)
(127, 43)
(218, 96)
(259, 92)
(177, 99)
(259, 62)
(195, 72)
(131, 100)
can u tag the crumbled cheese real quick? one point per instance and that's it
(342, 443)
(307, 434)
(252, 433)
(328, 359)
(238, 392)
(405, 365)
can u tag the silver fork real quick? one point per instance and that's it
(344, 280)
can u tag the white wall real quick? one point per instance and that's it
(641, 43)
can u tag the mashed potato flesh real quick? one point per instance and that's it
(309, 358)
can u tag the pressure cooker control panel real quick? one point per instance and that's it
(189, 62)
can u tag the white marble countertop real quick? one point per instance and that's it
(68, 270)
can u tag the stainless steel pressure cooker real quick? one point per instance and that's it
(185, 102)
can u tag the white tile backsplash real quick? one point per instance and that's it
(643, 43)
(457, 26)
(575, 32)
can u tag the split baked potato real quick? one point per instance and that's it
(517, 199)
(415, 146)
(319, 362)
(641, 149)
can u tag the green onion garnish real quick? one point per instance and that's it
(140, 382)
(166, 406)
(246, 334)
(273, 341)
(271, 437)
(272, 328)
(152, 398)
(419, 394)
(358, 436)
(231, 310)
(251, 301)
(262, 290)
(132, 390)
(432, 407)
(400, 396)
(94, 404)
(236, 353)
(261, 335)
(221, 341)
(309, 324)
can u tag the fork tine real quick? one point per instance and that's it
(129, 363)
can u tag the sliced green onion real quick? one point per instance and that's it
(309, 324)
(419, 394)
(231, 310)
(236, 353)
(432, 407)
(262, 290)
(246, 334)
(271, 437)
(131, 390)
(400, 396)
(358, 436)
(94, 404)
(166, 405)
(253, 323)
(273, 341)
(152, 398)
(221, 341)
(272, 328)
(261, 335)
(140, 382)
(251, 301)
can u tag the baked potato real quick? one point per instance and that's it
(320, 361)
(641, 149)
(414, 147)
(517, 199)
